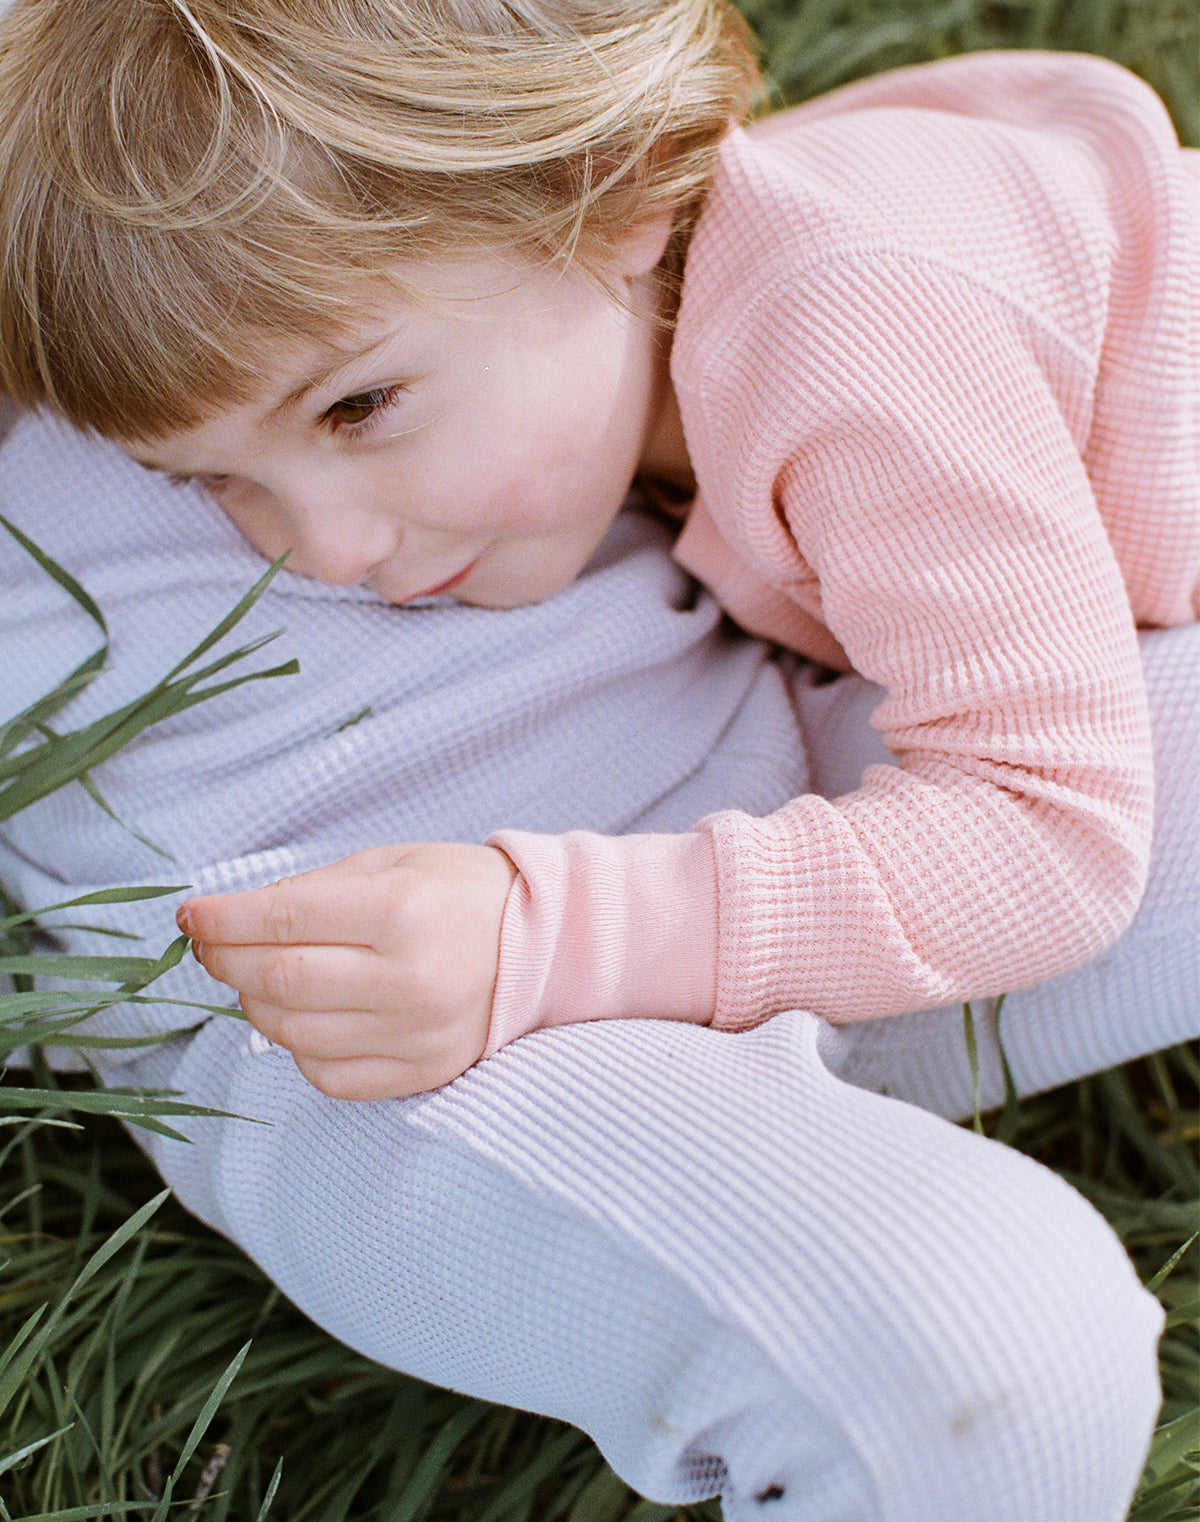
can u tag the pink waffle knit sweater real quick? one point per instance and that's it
(938, 365)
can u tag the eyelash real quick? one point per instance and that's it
(379, 398)
(210, 483)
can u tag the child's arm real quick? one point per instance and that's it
(896, 396)
(963, 566)
(377, 972)
(923, 480)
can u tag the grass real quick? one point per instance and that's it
(151, 1370)
(811, 46)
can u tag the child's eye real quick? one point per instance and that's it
(354, 411)
(210, 482)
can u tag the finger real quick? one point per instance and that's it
(368, 1078)
(298, 977)
(437, 1052)
(319, 1036)
(321, 908)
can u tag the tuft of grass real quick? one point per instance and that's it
(810, 46)
(129, 1358)
(35, 760)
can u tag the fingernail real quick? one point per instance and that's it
(183, 918)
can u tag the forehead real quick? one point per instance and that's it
(410, 297)
(403, 314)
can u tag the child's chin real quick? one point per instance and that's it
(503, 594)
(504, 601)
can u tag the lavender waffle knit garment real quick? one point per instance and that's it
(741, 1274)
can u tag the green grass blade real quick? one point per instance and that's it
(88, 784)
(265, 1508)
(43, 769)
(426, 1479)
(286, 668)
(171, 957)
(99, 969)
(18, 728)
(180, 683)
(1152, 1284)
(199, 1427)
(85, 1513)
(11, 1460)
(233, 617)
(20, 1338)
(33, 720)
(105, 896)
(522, 1486)
(58, 574)
(12, 1379)
(84, 1041)
(58, 1001)
(129, 1104)
(605, 1498)
(105, 930)
(973, 1063)
(1174, 1443)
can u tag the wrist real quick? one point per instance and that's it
(598, 927)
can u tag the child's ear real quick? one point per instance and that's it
(640, 248)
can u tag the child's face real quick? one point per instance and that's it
(479, 445)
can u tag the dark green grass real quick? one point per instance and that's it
(814, 45)
(143, 1338)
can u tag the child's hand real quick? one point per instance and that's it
(376, 973)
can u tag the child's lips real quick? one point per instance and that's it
(443, 586)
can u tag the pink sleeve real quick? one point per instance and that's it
(579, 905)
(928, 472)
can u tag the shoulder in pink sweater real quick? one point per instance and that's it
(938, 363)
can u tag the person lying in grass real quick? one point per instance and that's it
(421, 323)
(916, 360)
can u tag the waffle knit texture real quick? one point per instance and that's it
(428, 722)
(938, 365)
(741, 1274)
(737, 1273)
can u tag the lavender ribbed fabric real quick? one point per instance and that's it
(737, 1273)
(740, 1273)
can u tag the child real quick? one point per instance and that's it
(401, 301)
(931, 393)
(937, 423)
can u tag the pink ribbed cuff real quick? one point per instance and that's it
(599, 927)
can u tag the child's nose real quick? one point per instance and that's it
(340, 547)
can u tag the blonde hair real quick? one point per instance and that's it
(182, 181)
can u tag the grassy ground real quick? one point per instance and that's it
(132, 1367)
(814, 45)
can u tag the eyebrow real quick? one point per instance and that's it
(316, 382)
(350, 355)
